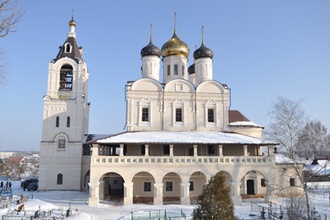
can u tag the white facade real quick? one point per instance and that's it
(65, 118)
(179, 133)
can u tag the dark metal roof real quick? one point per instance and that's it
(75, 52)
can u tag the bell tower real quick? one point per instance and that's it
(65, 118)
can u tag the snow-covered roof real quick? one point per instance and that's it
(282, 159)
(244, 123)
(182, 138)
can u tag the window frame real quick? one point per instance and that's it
(292, 181)
(147, 186)
(178, 114)
(61, 143)
(145, 116)
(169, 186)
(59, 179)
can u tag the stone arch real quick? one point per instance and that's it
(172, 188)
(254, 185)
(111, 187)
(143, 188)
(197, 181)
(227, 176)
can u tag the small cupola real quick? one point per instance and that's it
(150, 50)
(203, 51)
(150, 56)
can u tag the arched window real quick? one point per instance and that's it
(67, 48)
(59, 179)
(57, 121)
(68, 121)
(66, 77)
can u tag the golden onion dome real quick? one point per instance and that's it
(72, 22)
(175, 46)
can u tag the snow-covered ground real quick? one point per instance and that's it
(77, 201)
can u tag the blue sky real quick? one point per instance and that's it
(262, 50)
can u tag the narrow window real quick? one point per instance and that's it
(211, 149)
(61, 143)
(57, 121)
(145, 114)
(67, 48)
(143, 150)
(147, 186)
(168, 70)
(292, 182)
(59, 179)
(68, 121)
(263, 183)
(66, 77)
(178, 114)
(166, 149)
(182, 70)
(210, 115)
(169, 186)
(191, 186)
(176, 69)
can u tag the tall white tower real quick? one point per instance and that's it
(65, 118)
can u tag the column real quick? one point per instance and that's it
(270, 150)
(195, 150)
(185, 199)
(121, 152)
(158, 193)
(235, 193)
(171, 150)
(245, 150)
(220, 150)
(128, 193)
(146, 148)
(101, 190)
(95, 150)
(93, 199)
(270, 194)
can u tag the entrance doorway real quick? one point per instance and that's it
(250, 187)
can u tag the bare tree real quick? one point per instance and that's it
(287, 122)
(313, 140)
(9, 17)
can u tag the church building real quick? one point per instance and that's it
(180, 131)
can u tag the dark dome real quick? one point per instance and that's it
(203, 51)
(150, 50)
(191, 69)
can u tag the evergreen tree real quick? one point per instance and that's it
(215, 202)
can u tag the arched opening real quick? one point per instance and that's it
(143, 188)
(112, 188)
(86, 181)
(196, 183)
(172, 188)
(66, 77)
(227, 176)
(59, 179)
(253, 185)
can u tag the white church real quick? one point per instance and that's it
(180, 132)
